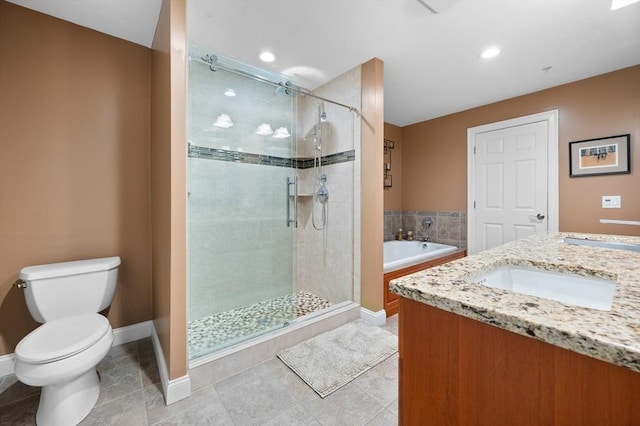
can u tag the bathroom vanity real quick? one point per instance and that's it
(475, 354)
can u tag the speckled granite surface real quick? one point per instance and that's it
(612, 336)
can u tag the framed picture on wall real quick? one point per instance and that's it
(601, 156)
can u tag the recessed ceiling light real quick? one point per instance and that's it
(617, 4)
(267, 56)
(230, 92)
(490, 52)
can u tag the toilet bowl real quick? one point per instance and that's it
(61, 356)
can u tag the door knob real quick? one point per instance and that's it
(539, 216)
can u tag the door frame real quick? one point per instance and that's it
(553, 208)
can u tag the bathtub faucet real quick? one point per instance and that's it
(425, 238)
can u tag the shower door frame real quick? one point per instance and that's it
(282, 195)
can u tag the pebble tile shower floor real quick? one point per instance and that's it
(267, 394)
(226, 328)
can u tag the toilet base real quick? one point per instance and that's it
(68, 403)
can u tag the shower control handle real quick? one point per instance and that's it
(323, 193)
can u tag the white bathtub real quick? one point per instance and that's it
(401, 254)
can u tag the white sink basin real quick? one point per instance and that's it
(572, 289)
(604, 244)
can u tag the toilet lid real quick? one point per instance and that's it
(62, 338)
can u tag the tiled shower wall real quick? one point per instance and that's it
(447, 227)
(326, 258)
(240, 245)
(237, 257)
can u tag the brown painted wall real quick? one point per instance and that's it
(393, 195)
(168, 185)
(434, 151)
(371, 196)
(74, 159)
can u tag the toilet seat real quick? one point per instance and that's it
(63, 338)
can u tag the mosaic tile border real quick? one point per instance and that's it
(196, 151)
(339, 157)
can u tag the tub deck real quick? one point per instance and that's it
(392, 300)
(405, 253)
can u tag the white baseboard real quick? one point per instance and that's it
(131, 333)
(376, 318)
(6, 364)
(121, 336)
(177, 389)
(173, 390)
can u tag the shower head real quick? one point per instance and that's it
(321, 114)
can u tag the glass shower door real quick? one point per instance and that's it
(241, 238)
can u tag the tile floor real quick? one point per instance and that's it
(267, 394)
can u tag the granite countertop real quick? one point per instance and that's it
(612, 336)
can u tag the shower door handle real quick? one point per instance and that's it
(295, 201)
(292, 184)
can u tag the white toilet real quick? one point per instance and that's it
(61, 355)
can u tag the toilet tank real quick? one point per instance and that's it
(59, 290)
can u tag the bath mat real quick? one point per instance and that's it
(331, 360)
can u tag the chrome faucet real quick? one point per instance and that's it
(426, 223)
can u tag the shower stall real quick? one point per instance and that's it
(271, 202)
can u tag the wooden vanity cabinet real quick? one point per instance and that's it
(458, 371)
(391, 299)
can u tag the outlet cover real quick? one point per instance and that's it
(611, 202)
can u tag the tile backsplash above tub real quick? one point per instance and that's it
(447, 227)
(392, 222)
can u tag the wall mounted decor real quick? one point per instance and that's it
(601, 156)
(388, 146)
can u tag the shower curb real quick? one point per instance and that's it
(227, 362)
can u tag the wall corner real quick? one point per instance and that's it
(371, 184)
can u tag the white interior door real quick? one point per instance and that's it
(510, 184)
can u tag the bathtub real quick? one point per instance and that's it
(401, 254)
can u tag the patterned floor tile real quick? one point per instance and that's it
(217, 331)
(267, 394)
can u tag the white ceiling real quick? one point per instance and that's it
(133, 20)
(431, 61)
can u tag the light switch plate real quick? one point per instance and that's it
(611, 202)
